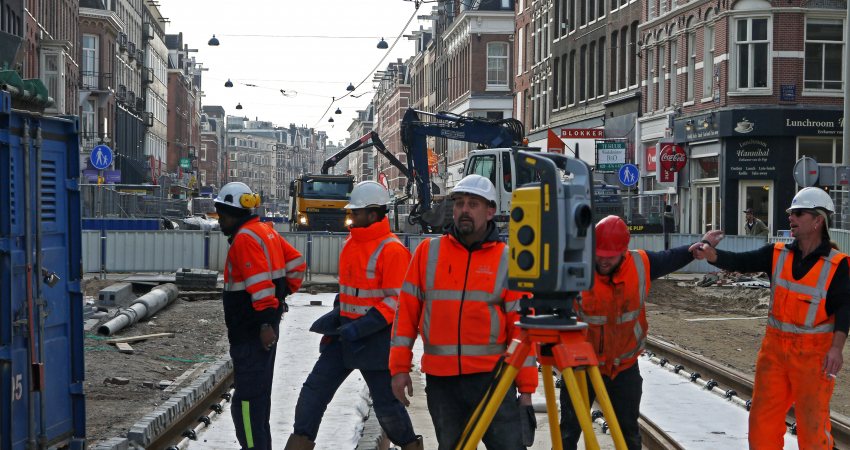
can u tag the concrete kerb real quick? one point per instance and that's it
(143, 432)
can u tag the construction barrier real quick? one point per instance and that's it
(169, 250)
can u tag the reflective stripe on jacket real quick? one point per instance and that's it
(615, 311)
(261, 269)
(458, 301)
(799, 306)
(373, 262)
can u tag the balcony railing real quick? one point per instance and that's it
(95, 81)
(90, 139)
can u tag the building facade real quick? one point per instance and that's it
(51, 33)
(361, 164)
(155, 90)
(392, 98)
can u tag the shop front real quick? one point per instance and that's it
(744, 158)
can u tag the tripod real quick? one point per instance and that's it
(561, 343)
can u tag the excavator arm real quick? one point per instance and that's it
(486, 133)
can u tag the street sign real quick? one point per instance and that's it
(806, 171)
(610, 155)
(101, 157)
(185, 164)
(629, 175)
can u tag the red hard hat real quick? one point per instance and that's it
(612, 237)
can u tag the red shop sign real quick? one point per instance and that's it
(672, 157)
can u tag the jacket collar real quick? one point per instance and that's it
(619, 274)
(490, 238)
(245, 221)
(376, 230)
(822, 250)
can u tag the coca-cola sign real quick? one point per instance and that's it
(672, 157)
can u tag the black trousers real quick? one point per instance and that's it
(625, 391)
(253, 371)
(451, 401)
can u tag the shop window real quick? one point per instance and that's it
(707, 167)
(822, 150)
(824, 47)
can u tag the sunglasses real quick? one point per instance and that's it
(800, 212)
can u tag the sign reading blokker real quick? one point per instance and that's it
(610, 155)
(582, 133)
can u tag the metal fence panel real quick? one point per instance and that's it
(324, 254)
(413, 240)
(91, 251)
(218, 250)
(154, 251)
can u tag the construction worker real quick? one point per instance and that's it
(807, 324)
(456, 296)
(260, 271)
(615, 311)
(372, 266)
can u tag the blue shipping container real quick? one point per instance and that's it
(41, 332)
(121, 224)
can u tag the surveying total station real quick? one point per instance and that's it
(551, 243)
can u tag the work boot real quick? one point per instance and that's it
(415, 445)
(298, 442)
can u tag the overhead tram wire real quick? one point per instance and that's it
(386, 54)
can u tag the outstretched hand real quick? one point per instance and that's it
(714, 237)
(701, 250)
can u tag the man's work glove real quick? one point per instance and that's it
(371, 323)
(528, 422)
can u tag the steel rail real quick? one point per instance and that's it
(739, 383)
(200, 412)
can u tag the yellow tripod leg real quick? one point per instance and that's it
(490, 409)
(607, 408)
(581, 377)
(582, 414)
(552, 408)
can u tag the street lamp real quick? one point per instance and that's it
(382, 45)
(331, 120)
(338, 111)
(228, 83)
(239, 106)
(350, 87)
(213, 42)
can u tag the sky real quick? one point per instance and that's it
(259, 47)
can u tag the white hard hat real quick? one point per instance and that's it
(368, 194)
(812, 198)
(237, 195)
(476, 185)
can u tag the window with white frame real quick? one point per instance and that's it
(824, 47)
(600, 68)
(650, 80)
(519, 46)
(52, 64)
(89, 64)
(88, 119)
(708, 61)
(662, 69)
(674, 65)
(822, 150)
(752, 53)
(497, 64)
(691, 51)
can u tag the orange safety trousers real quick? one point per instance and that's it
(789, 369)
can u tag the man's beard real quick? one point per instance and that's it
(465, 226)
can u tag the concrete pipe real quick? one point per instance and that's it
(143, 308)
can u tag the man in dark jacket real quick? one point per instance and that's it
(357, 332)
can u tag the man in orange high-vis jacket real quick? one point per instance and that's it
(372, 265)
(455, 295)
(615, 312)
(260, 271)
(807, 324)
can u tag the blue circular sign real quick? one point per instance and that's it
(101, 156)
(629, 175)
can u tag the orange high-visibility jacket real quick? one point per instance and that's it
(799, 306)
(615, 312)
(373, 262)
(261, 269)
(459, 302)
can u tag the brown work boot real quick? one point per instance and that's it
(298, 442)
(415, 445)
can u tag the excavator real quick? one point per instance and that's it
(425, 213)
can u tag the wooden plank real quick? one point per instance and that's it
(139, 338)
(124, 348)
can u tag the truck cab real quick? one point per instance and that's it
(317, 202)
(498, 165)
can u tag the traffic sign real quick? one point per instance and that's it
(185, 164)
(101, 157)
(806, 171)
(629, 175)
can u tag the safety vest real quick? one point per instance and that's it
(615, 312)
(261, 269)
(458, 301)
(799, 306)
(373, 262)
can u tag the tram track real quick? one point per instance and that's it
(727, 382)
